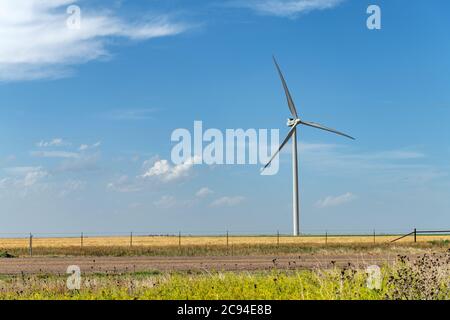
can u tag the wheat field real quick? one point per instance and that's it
(170, 241)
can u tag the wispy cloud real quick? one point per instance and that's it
(55, 154)
(82, 158)
(204, 192)
(36, 42)
(228, 201)
(56, 142)
(85, 147)
(335, 201)
(23, 176)
(285, 8)
(124, 185)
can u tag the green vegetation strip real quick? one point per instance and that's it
(222, 250)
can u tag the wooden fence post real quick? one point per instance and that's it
(415, 235)
(81, 240)
(326, 237)
(179, 239)
(374, 235)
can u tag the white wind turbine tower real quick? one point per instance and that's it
(293, 123)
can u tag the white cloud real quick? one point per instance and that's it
(160, 168)
(165, 202)
(85, 147)
(334, 201)
(286, 8)
(204, 192)
(62, 154)
(228, 201)
(166, 172)
(85, 158)
(36, 42)
(57, 142)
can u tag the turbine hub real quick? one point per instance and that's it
(292, 122)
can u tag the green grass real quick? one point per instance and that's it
(440, 243)
(271, 285)
(6, 254)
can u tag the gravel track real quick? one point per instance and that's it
(58, 265)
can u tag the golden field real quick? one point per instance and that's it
(170, 241)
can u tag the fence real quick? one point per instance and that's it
(227, 239)
(416, 232)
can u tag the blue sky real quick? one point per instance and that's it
(84, 115)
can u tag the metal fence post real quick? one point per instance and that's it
(179, 239)
(131, 240)
(374, 235)
(228, 240)
(31, 245)
(278, 238)
(326, 237)
(81, 240)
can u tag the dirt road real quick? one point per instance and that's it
(58, 265)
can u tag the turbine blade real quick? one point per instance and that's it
(291, 132)
(286, 90)
(319, 126)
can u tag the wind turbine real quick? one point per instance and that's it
(293, 123)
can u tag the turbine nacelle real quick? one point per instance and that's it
(293, 122)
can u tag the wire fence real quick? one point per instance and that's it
(82, 240)
(311, 232)
(415, 233)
